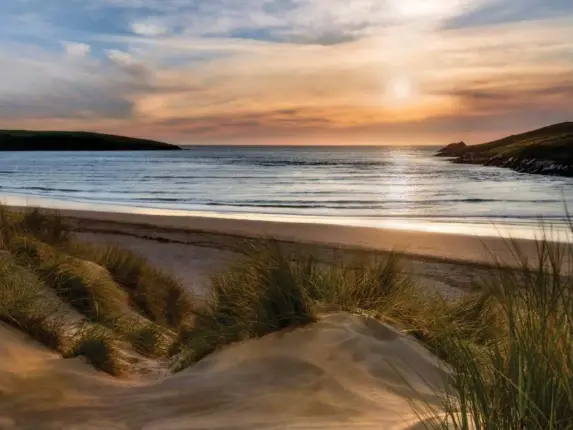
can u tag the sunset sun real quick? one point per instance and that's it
(400, 91)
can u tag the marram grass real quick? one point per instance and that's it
(520, 375)
(47, 281)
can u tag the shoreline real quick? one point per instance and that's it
(481, 226)
(533, 166)
(447, 247)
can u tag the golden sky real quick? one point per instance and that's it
(287, 71)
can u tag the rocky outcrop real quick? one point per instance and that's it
(545, 151)
(452, 150)
(523, 165)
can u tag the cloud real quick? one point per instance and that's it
(292, 21)
(494, 12)
(128, 63)
(499, 99)
(75, 49)
(121, 58)
(149, 29)
(43, 84)
(221, 70)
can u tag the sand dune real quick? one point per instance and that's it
(343, 372)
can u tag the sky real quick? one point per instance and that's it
(339, 72)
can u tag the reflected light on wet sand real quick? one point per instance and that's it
(558, 231)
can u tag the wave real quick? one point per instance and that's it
(160, 199)
(274, 179)
(309, 163)
(63, 190)
(358, 204)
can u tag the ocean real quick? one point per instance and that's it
(395, 187)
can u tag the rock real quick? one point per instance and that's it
(452, 150)
(526, 165)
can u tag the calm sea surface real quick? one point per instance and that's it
(383, 186)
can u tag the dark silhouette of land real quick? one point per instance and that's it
(547, 151)
(21, 140)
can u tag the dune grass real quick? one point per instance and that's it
(522, 376)
(258, 296)
(154, 293)
(377, 286)
(23, 306)
(267, 292)
(98, 345)
(84, 285)
(47, 227)
(39, 257)
(146, 337)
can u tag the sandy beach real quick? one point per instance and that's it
(194, 247)
(345, 371)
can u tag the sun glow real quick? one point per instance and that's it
(399, 92)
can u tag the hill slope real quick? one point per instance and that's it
(20, 140)
(548, 150)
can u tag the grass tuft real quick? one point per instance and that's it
(259, 296)
(518, 372)
(374, 285)
(155, 294)
(48, 227)
(24, 305)
(151, 340)
(41, 326)
(98, 346)
(39, 258)
(84, 285)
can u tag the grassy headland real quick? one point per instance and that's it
(21, 140)
(548, 150)
(509, 347)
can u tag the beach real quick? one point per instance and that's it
(344, 371)
(194, 247)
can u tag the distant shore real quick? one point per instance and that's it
(28, 140)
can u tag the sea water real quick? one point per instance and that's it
(395, 187)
